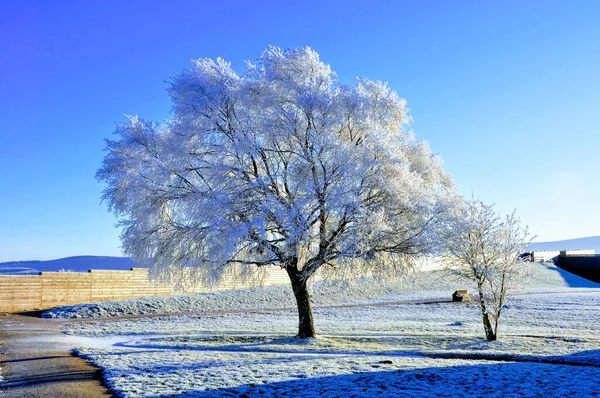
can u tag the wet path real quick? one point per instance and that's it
(36, 361)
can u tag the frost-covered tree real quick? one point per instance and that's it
(484, 247)
(282, 166)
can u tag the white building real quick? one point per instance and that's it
(545, 255)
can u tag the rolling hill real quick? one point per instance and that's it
(590, 242)
(76, 264)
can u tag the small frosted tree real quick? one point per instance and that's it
(484, 247)
(282, 166)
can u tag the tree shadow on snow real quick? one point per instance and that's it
(448, 347)
(260, 345)
(469, 380)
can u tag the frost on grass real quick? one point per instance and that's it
(419, 286)
(206, 374)
(550, 346)
(537, 324)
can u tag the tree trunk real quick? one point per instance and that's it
(490, 333)
(306, 327)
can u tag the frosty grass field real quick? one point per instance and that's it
(549, 342)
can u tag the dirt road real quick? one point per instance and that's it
(36, 361)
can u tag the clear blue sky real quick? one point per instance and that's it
(508, 92)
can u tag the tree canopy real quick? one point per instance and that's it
(284, 166)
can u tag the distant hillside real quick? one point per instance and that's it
(76, 264)
(590, 242)
(85, 263)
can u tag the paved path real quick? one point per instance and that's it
(36, 361)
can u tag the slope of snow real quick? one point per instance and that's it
(590, 242)
(420, 286)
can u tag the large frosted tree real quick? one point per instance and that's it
(282, 166)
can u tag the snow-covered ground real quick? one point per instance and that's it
(549, 346)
